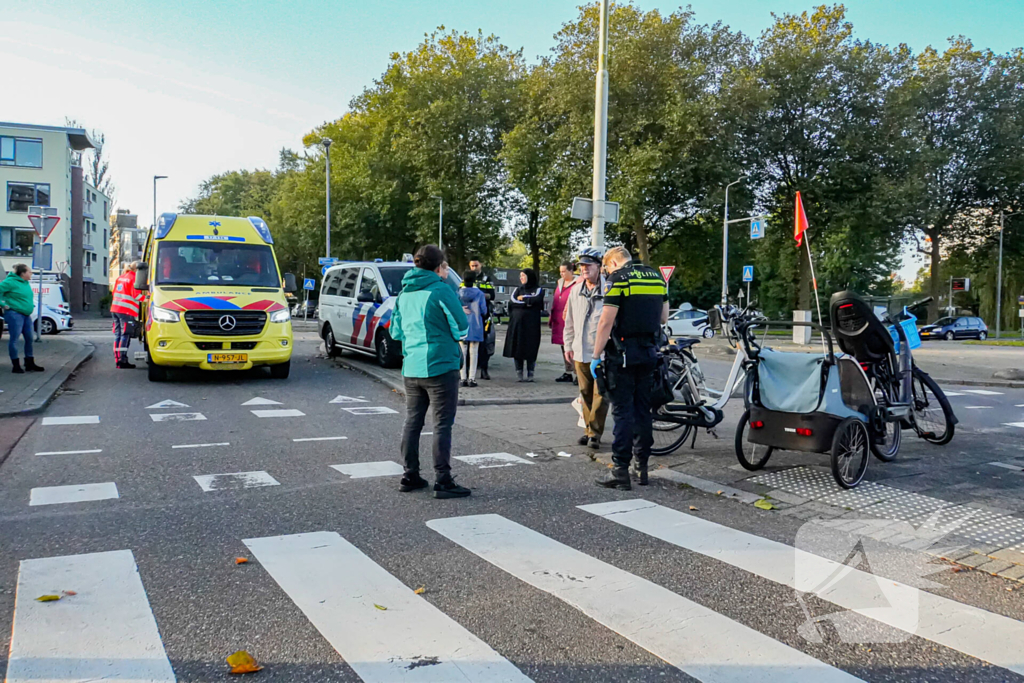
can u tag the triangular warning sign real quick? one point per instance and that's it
(666, 271)
(348, 399)
(167, 404)
(261, 402)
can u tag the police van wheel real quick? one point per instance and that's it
(387, 354)
(330, 343)
(281, 370)
(156, 373)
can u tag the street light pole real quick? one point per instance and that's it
(999, 282)
(725, 243)
(440, 221)
(600, 132)
(155, 178)
(326, 142)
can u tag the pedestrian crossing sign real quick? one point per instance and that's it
(756, 228)
(308, 283)
(748, 273)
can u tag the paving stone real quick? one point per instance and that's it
(985, 548)
(785, 497)
(995, 566)
(1015, 572)
(1010, 555)
(883, 534)
(902, 539)
(974, 560)
(957, 554)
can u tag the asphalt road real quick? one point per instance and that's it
(610, 603)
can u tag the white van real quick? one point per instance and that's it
(56, 311)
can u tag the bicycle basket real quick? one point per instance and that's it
(909, 329)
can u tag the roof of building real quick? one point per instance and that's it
(78, 138)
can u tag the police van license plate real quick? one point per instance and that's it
(227, 358)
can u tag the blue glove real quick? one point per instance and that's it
(594, 365)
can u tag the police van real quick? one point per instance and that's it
(356, 301)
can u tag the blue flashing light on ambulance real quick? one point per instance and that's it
(216, 299)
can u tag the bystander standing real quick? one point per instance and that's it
(522, 341)
(556, 321)
(582, 312)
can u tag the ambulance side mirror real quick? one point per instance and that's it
(142, 278)
(289, 283)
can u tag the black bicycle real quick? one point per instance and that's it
(889, 364)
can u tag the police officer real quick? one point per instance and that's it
(484, 284)
(635, 307)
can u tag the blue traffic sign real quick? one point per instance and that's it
(756, 228)
(327, 260)
(748, 273)
(323, 271)
(308, 283)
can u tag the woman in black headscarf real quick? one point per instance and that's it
(522, 342)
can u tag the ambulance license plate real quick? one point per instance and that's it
(227, 358)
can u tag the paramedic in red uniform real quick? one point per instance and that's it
(125, 310)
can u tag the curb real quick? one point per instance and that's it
(399, 388)
(45, 394)
(1005, 384)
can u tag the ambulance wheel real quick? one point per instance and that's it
(281, 370)
(156, 372)
(850, 447)
(752, 456)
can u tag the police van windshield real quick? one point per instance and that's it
(393, 275)
(216, 263)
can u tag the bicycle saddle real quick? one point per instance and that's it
(686, 342)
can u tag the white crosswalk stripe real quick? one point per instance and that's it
(382, 629)
(105, 631)
(719, 650)
(976, 632)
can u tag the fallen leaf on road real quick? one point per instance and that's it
(763, 504)
(957, 570)
(49, 598)
(382, 608)
(241, 560)
(718, 493)
(421, 590)
(69, 593)
(694, 508)
(242, 663)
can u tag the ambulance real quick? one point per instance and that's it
(215, 296)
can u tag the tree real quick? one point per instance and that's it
(811, 112)
(98, 169)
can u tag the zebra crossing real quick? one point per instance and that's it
(100, 624)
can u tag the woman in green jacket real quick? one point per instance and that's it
(429, 322)
(16, 303)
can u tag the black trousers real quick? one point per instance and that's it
(631, 407)
(420, 393)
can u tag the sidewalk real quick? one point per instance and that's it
(61, 355)
(502, 389)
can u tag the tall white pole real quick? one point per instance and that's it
(600, 132)
(155, 178)
(327, 154)
(440, 225)
(725, 243)
(999, 282)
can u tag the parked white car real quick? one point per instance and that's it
(688, 321)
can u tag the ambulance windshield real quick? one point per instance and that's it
(213, 263)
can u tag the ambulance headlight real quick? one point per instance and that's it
(281, 316)
(164, 315)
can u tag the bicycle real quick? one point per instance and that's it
(695, 405)
(885, 354)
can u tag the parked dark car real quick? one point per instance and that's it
(297, 309)
(956, 327)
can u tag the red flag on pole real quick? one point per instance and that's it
(801, 221)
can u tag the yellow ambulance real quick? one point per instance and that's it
(215, 296)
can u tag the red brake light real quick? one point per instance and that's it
(756, 424)
(845, 305)
(804, 431)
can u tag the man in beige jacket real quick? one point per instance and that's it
(582, 312)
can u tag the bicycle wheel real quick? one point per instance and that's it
(669, 436)
(752, 456)
(890, 446)
(850, 452)
(933, 418)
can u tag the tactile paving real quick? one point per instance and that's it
(906, 506)
(865, 494)
(803, 481)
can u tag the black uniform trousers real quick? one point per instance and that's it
(631, 408)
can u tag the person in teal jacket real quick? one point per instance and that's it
(429, 322)
(16, 302)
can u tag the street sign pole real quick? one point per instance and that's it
(600, 132)
(305, 308)
(43, 219)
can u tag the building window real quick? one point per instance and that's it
(16, 241)
(105, 271)
(20, 196)
(27, 152)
